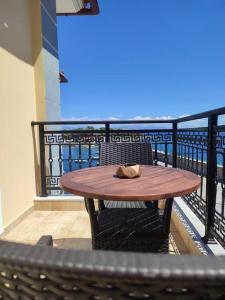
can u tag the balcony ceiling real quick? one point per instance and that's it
(69, 6)
(77, 7)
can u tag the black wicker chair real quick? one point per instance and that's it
(120, 153)
(45, 273)
(134, 227)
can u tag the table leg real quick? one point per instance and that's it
(85, 203)
(155, 204)
(101, 205)
(89, 203)
(167, 215)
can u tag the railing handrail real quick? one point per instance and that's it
(206, 114)
(95, 122)
(203, 115)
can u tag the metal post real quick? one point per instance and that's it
(167, 215)
(42, 161)
(156, 155)
(174, 145)
(211, 177)
(107, 132)
(89, 202)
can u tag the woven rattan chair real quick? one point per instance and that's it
(120, 153)
(45, 273)
(130, 229)
(134, 227)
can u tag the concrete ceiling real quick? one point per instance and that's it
(69, 6)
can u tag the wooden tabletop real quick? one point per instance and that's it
(155, 183)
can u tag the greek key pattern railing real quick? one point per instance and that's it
(192, 156)
(219, 213)
(192, 145)
(68, 150)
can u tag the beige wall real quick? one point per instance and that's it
(21, 88)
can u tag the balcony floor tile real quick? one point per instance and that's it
(70, 229)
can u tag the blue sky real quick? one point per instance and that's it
(143, 58)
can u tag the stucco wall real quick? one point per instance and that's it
(50, 58)
(20, 64)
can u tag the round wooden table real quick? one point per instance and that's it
(155, 183)
(112, 228)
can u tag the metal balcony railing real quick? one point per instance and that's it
(69, 145)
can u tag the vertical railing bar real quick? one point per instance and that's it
(60, 159)
(50, 159)
(211, 178)
(181, 155)
(192, 157)
(166, 154)
(185, 155)
(188, 157)
(156, 154)
(202, 171)
(70, 162)
(42, 160)
(196, 164)
(80, 157)
(107, 132)
(222, 184)
(174, 145)
(99, 149)
(89, 154)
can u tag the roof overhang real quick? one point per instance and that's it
(76, 7)
(62, 77)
